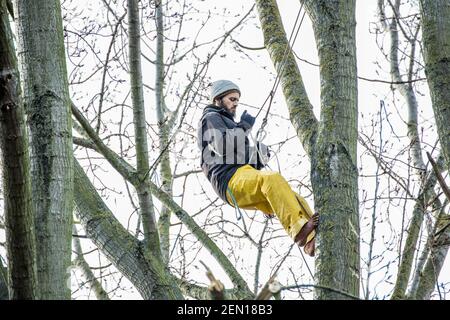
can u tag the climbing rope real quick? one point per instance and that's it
(237, 210)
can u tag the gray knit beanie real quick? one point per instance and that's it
(221, 86)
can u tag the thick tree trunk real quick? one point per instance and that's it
(436, 47)
(20, 237)
(331, 144)
(334, 173)
(43, 67)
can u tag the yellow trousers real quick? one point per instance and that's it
(270, 193)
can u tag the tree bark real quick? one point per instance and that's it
(163, 126)
(331, 144)
(42, 65)
(334, 173)
(406, 90)
(20, 237)
(436, 51)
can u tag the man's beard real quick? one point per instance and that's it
(222, 105)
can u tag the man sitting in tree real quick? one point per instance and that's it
(233, 167)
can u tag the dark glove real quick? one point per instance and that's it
(247, 120)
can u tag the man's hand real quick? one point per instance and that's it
(247, 119)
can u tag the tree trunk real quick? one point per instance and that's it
(140, 129)
(334, 173)
(20, 238)
(331, 144)
(436, 50)
(42, 61)
(163, 126)
(406, 90)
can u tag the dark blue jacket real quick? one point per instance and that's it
(224, 147)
